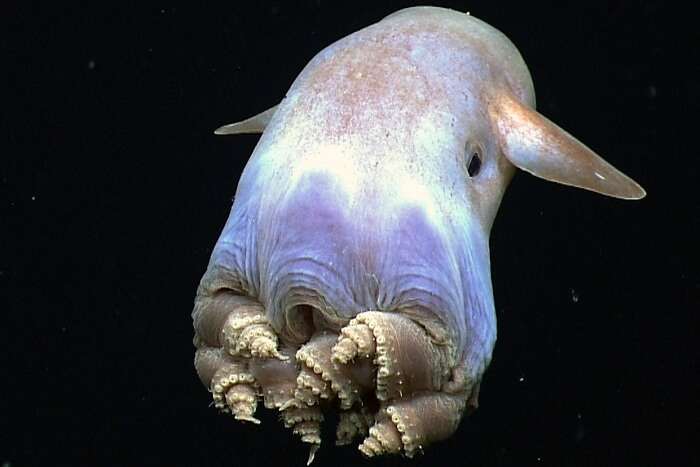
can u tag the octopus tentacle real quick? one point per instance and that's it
(383, 438)
(278, 382)
(276, 377)
(247, 332)
(387, 353)
(407, 360)
(356, 340)
(233, 388)
(322, 377)
(408, 424)
(236, 323)
(242, 400)
(305, 422)
(234, 391)
(422, 388)
(352, 424)
(207, 360)
(311, 387)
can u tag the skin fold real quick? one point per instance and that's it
(353, 272)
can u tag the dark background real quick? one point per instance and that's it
(114, 190)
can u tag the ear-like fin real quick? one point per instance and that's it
(536, 145)
(255, 124)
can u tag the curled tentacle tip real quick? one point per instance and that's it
(344, 351)
(312, 454)
(290, 403)
(370, 447)
(248, 418)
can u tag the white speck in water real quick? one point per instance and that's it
(599, 176)
(33, 197)
(574, 296)
(91, 65)
(521, 379)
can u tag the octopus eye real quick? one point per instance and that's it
(474, 164)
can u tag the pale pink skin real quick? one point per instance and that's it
(357, 199)
(358, 191)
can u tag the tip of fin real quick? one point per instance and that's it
(224, 130)
(238, 128)
(639, 193)
(254, 124)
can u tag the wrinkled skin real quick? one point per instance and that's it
(353, 272)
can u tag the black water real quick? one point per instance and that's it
(114, 190)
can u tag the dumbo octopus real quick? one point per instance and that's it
(353, 272)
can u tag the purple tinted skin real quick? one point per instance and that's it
(307, 249)
(302, 233)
